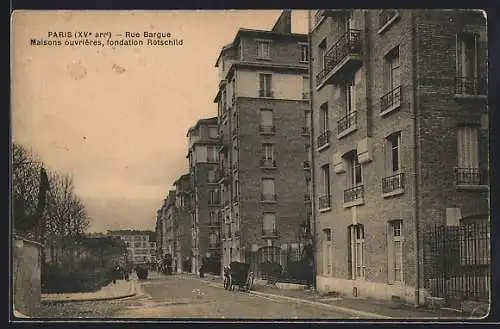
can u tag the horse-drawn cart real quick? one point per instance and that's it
(238, 274)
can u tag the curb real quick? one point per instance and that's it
(332, 307)
(132, 293)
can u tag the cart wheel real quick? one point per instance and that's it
(250, 281)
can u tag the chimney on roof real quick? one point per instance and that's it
(284, 22)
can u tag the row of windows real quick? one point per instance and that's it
(356, 251)
(264, 50)
(467, 164)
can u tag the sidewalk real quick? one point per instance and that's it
(120, 289)
(357, 306)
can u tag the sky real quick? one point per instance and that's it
(116, 118)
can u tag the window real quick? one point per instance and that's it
(346, 22)
(268, 152)
(394, 143)
(467, 59)
(322, 55)
(269, 223)
(327, 252)
(304, 52)
(265, 89)
(211, 154)
(468, 172)
(324, 117)
(212, 217)
(213, 239)
(395, 251)
(268, 191)
(356, 251)
(212, 197)
(305, 88)
(264, 49)
(266, 121)
(324, 198)
(468, 153)
(350, 97)
(211, 176)
(137, 244)
(212, 132)
(355, 167)
(392, 69)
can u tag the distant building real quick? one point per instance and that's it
(138, 244)
(264, 168)
(181, 225)
(202, 155)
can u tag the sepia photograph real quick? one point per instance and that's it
(260, 165)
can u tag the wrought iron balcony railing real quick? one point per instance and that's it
(470, 176)
(268, 197)
(267, 163)
(270, 232)
(348, 44)
(354, 193)
(306, 131)
(385, 16)
(392, 183)
(324, 138)
(350, 120)
(306, 95)
(470, 86)
(267, 129)
(391, 99)
(307, 165)
(307, 197)
(265, 93)
(325, 201)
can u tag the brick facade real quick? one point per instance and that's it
(427, 119)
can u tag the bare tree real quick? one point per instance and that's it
(26, 168)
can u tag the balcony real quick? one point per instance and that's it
(306, 131)
(307, 165)
(354, 196)
(213, 245)
(235, 132)
(307, 198)
(223, 175)
(306, 95)
(470, 87)
(347, 124)
(344, 56)
(386, 18)
(212, 180)
(325, 203)
(214, 202)
(471, 178)
(270, 233)
(266, 93)
(324, 140)
(267, 129)
(214, 223)
(268, 198)
(268, 163)
(236, 198)
(390, 101)
(393, 185)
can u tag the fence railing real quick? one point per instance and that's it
(392, 183)
(457, 263)
(348, 121)
(323, 138)
(471, 86)
(391, 99)
(354, 193)
(470, 176)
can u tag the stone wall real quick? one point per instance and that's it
(26, 269)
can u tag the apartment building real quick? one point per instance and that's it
(400, 127)
(263, 120)
(180, 224)
(139, 246)
(205, 228)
